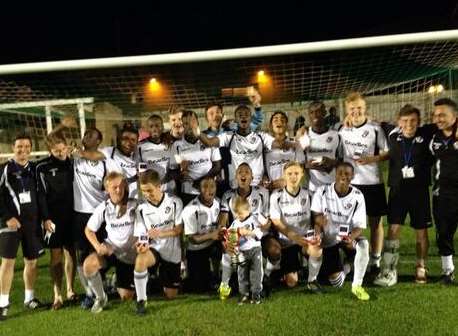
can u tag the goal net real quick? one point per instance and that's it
(389, 70)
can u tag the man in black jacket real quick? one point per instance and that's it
(19, 223)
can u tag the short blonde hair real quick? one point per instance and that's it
(292, 164)
(113, 175)
(149, 176)
(353, 96)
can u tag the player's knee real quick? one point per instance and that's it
(30, 264)
(125, 295)
(362, 245)
(170, 293)
(291, 280)
(90, 265)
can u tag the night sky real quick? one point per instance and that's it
(76, 30)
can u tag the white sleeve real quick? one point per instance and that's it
(139, 227)
(359, 215)
(224, 138)
(225, 201)
(189, 220)
(178, 211)
(275, 211)
(265, 201)
(267, 139)
(382, 143)
(106, 151)
(174, 158)
(215, 154)
(96, 220)
(304, 141)
(300, 156)
(317, 205)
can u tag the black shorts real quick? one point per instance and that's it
(291, 259)
(124, 272)
(375, 198)
(169, 273)
(199, 269)
(63, 234)
(410, 200)
(29, 240)
(332, 262)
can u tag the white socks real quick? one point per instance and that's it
(96, 283)
(447, 264)
(314, 267)
(4, 300)
(84, 282)
(28, 295)
(141, 280)
(361, 262)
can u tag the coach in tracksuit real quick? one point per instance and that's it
(444, 147)
(19, 222)
(55, 178)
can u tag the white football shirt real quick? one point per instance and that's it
(120, 229)
(88, 178)
(292, 210)
(275, 160)
(157, 157)
(348, 210)
(126, 165)
(200, 160)
(258, 198)
(247, 149)
(365, 140)
(200, 219)
(164, 216)
(326, 144)
(250, 223)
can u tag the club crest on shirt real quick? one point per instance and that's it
(347, 206)
(254, 203)
(167, 210)
(419, 139)
(303, 201)
(253, 140)
(365, 134)
(93, 163)
(329, 139)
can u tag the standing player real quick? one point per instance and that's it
(339, 212)
(244, 145)
(118, 249)
(444, 147)
(409, 179)
(193, 159)
(365, 145)
(200, 219)
(155, 152)
(159, 228)
(276, 158)
(258, 198)
(124, 157)
(324, 148)
(20, 222)
(290, 216)
(55, 177)
(88, 193)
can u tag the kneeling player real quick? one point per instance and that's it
(340, 213)
(159, 228)
(118, 213)
(200, 219)
(290, 215)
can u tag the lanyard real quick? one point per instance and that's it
(23, 179)
(407, 152)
